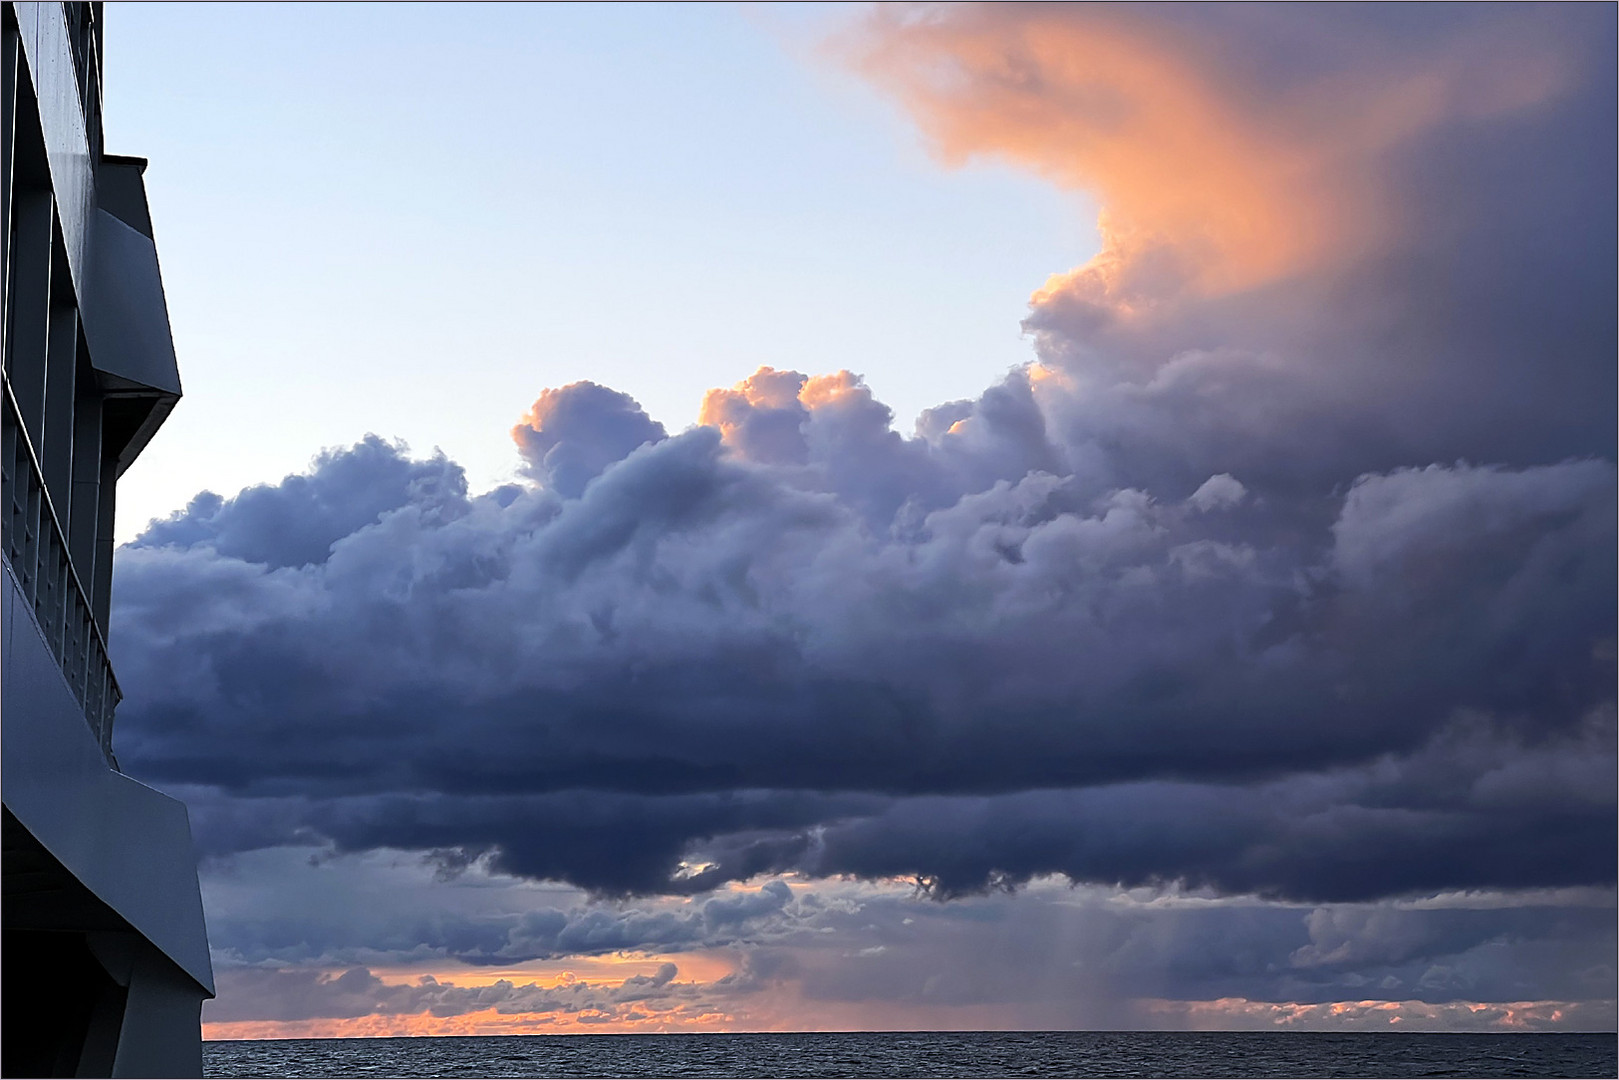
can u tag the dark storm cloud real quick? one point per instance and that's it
(1351, 835)
(1289, 568)
(741, 672)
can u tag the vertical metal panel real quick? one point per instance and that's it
(48, 52)
(30, 273)
(61, 370)
(85, 502)
(101, 572)
(9, 56)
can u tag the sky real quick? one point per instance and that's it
(761, 518)
(368, 215)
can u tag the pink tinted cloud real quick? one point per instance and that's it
(1215, 175)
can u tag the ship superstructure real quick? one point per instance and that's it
(105, 954)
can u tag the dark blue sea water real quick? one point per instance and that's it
(1064, 1053)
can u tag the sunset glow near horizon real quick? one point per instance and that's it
(946, 518)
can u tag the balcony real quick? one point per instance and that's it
(36, 550)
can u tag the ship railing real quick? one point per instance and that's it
(37, 550)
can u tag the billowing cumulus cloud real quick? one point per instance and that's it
(572, 434)
(1284, 570)
(296, 522)
(703, 660)
(1365, 236)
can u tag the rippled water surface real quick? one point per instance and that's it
(929, 1054)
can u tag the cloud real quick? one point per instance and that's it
(294, 523)
(1218, 491)
(300, 994)
(573, 433)
(699, 656)
(388, 908)
(1221, 160)
(1114, 959)
(1338, 242)
(1285, 569)
(1377, 1014)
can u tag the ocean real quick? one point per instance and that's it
(880, 1054)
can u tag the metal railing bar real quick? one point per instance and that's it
(61, 590)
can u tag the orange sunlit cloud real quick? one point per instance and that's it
(596, 994)
(482, 1022)
(782, 1007)
(1209, 182)
(611, 969)
(766, 388)
(760, 417)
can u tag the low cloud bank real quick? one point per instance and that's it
(824, 953)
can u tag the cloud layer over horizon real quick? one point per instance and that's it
(1284, 570)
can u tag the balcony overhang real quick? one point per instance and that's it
(127, 844)
(126, 325)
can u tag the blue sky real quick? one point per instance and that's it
(411, 220)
